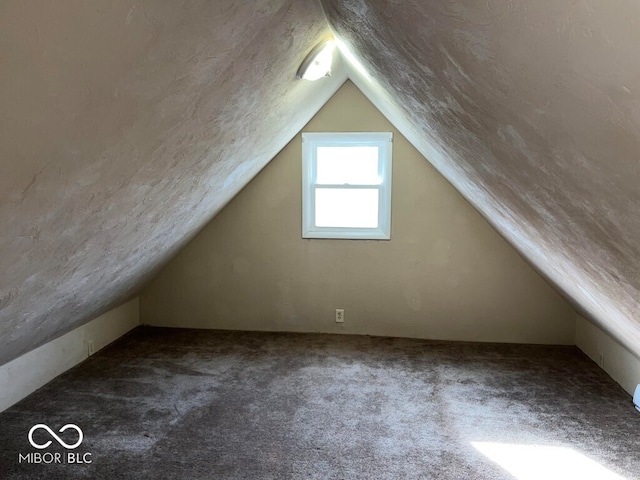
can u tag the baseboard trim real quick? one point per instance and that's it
(618, 362)
(27, 373)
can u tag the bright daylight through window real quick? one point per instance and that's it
(346, 185)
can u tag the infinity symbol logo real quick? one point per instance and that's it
(58, 439)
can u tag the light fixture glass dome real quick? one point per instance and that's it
(318, 63)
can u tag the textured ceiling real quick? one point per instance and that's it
(532, 111)
(125, 126)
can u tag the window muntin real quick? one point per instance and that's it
(346, 185)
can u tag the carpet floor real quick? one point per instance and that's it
(192, 404)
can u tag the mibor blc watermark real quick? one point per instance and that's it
(64, 458)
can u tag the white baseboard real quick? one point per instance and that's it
(34, 369)
(619, 363)
(27, 373)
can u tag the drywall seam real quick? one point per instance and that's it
(27, 373)
(618, 362)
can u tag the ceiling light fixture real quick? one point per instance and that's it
(318, 63)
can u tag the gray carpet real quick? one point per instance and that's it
(166, 403)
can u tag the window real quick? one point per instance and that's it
(346, 185)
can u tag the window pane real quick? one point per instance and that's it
(343, 207)
(351, 165)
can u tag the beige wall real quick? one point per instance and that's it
(445, 274)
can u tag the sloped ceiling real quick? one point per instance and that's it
(532, 111)
(125, 126)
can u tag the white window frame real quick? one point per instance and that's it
(310, 144)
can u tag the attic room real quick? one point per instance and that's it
(320, 239)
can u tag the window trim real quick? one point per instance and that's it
(310, 143)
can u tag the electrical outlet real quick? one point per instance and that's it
(339, 315)
(90, 348)
(601, 360)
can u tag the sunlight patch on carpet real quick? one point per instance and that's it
(533, 462)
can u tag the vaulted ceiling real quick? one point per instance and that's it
(126, 126)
